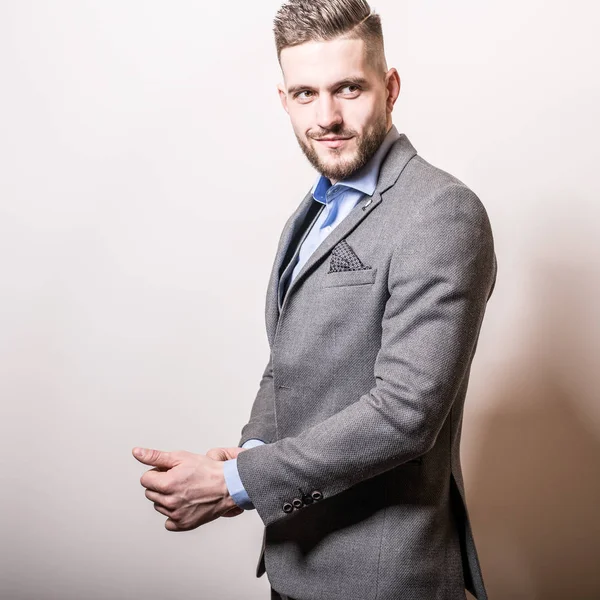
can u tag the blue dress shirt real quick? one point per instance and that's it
(339, 199)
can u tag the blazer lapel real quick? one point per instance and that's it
(290, 231)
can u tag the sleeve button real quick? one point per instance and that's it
(307, 499)
(297, 503)
(287, 507)
(316, 495)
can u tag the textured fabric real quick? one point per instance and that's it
(343, 258)
(359, 485)
(277, 596)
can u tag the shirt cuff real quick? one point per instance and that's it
(235, 485)
(252, 442)
(233, 481)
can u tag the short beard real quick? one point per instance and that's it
(367, 146)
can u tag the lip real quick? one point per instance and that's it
(333, 142)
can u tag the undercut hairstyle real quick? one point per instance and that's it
(300, 21)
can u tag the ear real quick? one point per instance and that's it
(283, 97)
(393, 87)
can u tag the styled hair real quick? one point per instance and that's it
(300, 21)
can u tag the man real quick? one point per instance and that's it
(351, 455)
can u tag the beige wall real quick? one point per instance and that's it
(147, 170)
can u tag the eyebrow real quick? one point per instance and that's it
(346, 81)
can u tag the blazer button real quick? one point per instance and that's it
(316, 495)
(307, 499)
(287, 507)
(297, 503)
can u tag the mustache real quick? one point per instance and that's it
(331, 133)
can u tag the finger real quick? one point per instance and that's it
(233, 512)
(156, 458)
(217, 454)
(224, 453)
(167, 501)
(157, 481)
(172, 526)
(181, 526)
(162, 510)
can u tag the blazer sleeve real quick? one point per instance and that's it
(262, 419)
(441, 274)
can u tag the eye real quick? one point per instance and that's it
(352, 89)
(300, 96)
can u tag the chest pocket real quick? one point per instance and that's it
(342, 278)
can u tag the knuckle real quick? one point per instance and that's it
(170, 503)
(177, 517)
(184, 456)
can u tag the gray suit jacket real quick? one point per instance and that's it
(360, 486)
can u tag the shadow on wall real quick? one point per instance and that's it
(535, 492)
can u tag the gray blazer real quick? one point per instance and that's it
(359, 485)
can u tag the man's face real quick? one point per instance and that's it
(330, 91)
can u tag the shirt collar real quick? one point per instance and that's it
(364, 179)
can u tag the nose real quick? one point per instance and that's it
(328, 113)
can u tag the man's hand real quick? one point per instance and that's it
(187, 488)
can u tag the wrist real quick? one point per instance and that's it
(227, 500)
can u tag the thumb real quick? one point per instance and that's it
(217, 454)
(224, 453)
(156, 458)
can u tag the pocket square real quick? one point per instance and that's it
(343, 258)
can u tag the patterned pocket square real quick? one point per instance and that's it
(343, 258)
